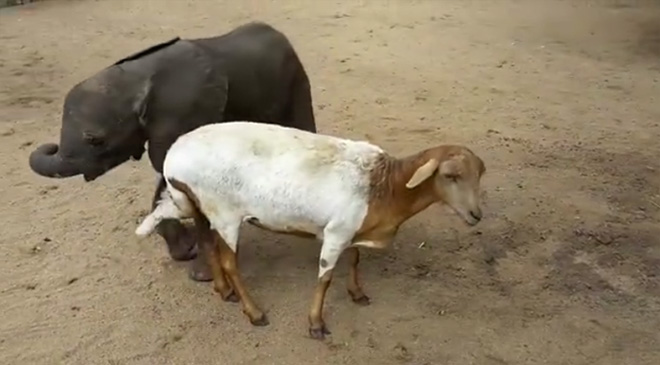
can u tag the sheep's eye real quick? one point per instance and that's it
(452, 178)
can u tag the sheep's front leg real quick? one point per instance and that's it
(354, 288)
(228, 243)
(330, 252)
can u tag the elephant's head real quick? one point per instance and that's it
(100, 127)
(151, 97)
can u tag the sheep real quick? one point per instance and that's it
(345, 193)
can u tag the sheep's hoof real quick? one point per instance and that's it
(200, 270)
(361, 300)
(231, 297)
(319, 333)
(260, 321)
(228, 296)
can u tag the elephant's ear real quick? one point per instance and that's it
(186, 87)
(140, 102)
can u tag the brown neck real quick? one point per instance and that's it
(390, 191)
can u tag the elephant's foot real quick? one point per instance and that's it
(199, 269)
(181, 241)
(184, 249)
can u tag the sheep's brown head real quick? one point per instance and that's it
(456, 172)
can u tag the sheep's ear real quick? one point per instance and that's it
(482, 166)
(423, 172)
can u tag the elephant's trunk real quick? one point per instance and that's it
(46, 161)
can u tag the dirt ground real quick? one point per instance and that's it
(560, 98)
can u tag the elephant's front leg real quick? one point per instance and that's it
(182, 245)
(181, 242)
(199, 268)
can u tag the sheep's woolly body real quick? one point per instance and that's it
(289, 180)
(341, 191)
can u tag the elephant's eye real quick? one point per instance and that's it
(94, 141)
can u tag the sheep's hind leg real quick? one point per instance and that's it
(220, 282)
(354, 288)
(227, 238)
(210, 252)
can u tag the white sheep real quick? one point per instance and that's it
(346, 193)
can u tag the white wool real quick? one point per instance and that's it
(284, 177)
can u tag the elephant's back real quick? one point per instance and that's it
(260, 65)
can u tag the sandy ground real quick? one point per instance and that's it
(560, 98)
